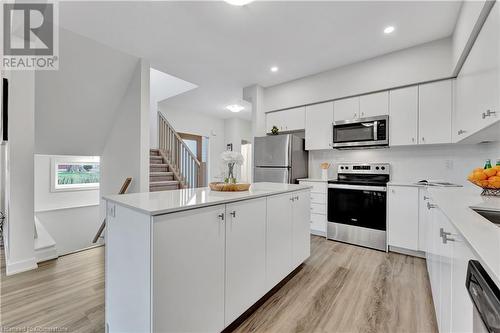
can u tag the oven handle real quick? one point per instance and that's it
(358, 187)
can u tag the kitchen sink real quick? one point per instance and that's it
(491, 215)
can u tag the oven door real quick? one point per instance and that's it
(356, 205)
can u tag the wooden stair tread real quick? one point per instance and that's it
(161, 173)
(164, 183)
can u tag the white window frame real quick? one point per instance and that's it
(55, 161)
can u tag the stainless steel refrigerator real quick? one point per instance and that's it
(280, 159)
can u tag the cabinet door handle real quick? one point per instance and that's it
(221, 216)
(297, 197)
(233, 213)
(423, 139)
(292, 199)
(412, 139)
(426, 197)
(430, 206)
(355, 115)
(488, 113)
(443, 233)
(460, 132)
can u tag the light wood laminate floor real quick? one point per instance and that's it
(341, 288)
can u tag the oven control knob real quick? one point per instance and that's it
(383, 168)
(377, 168)
(342, 168)
(346, 167)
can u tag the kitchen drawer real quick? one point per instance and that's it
(318, 209)
(318, 222)
(318, 198)
(317, 187)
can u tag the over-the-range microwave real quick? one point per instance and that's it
(361, 132)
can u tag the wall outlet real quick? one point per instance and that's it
(449, 164)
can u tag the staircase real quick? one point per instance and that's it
(173, 161)
(161, 178)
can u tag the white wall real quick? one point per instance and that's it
(413, 163)
(467, 19)
(420, 63)
(70, 217)
(47, 200)
(202, 125)
(19, 251)
(126, 152)
(73, 228)
(255, 95)
(162, 86)
(235, 130)
(77, 104)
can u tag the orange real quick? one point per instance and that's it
(479, 175)
(484, 183)
(494, 179)
(470, 176)
(478, 169)
(490, 172)
(494, 183)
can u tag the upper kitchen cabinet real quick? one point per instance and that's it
(345, 109)
(319, 120)
(435, 110)
(286, 120)
(403, 116)
(372, 105)
(477, 85)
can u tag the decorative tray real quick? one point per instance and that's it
(229, 187)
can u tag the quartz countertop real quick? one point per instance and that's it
(163, 202)
(319, 180)
(482, 235)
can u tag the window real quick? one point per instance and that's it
(75, 173)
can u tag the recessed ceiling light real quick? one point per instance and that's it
(389, 29)
(235, 108)
(274, 69)
(238, 2)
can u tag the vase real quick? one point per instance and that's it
(230, 178)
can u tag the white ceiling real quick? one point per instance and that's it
(223, 48)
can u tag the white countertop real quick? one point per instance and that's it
(163, 202)
(319, 180)
(482, 235)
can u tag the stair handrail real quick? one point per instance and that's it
(178, 153)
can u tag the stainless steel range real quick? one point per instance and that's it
(357, 207)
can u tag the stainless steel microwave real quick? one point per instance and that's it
(361, 132)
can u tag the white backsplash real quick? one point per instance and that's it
(413, 163)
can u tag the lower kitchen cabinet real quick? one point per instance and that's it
(279, 238)
(402, 217)
(318, 206)
(301, 248)
(245, 256)
(179, 262)
(447, 258)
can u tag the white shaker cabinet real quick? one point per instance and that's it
(279, 238)
(477, 88)
(376, 104)
(319, 126)
(301, 205)
(402, 219)
(435, 112)
(403, 116)
(245, 256)
(347, 108)
(179, 262)
(286, 120)
(318, 206)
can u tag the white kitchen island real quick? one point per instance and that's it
(194, 260)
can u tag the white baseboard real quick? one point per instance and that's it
(45, 254)
(318, 233)
(12, 268)
(407, 252)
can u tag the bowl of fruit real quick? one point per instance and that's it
(488, 178)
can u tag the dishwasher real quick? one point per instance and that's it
(485, 296)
